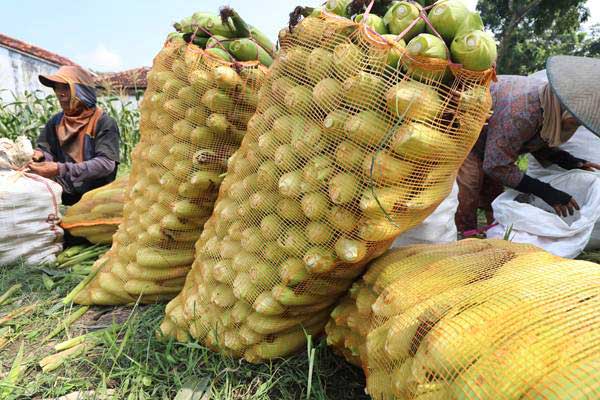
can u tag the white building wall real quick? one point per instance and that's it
(19, 73)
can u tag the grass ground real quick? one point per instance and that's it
(130, 363)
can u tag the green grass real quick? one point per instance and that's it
(132, 364)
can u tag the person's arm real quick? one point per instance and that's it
(499, 163)
(563, 159)
(563, 203)
(97, 167)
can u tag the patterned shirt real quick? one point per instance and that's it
(514, 129)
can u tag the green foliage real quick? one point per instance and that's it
(535, 51)
(529, 31)
(26, 115)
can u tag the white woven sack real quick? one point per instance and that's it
(535, 222)
(439, 227)
(29, 219)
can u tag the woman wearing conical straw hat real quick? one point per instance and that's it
(79, 146)
(531, 116)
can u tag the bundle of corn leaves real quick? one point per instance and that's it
(226, 36)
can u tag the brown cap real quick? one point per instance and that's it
(68, 74)
(576, 83)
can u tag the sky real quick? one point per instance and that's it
(113, 35)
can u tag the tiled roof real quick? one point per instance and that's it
(130, 79)
(35, 51)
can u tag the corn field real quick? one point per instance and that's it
(27, 114)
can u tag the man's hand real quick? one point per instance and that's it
(38, 156)
(46, 169)
(565, 210)
(590, 166)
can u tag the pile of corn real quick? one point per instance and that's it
(227, 36)
(443, 30)
(98, 214)
(344, 153)
(473, 320)
(193, 118)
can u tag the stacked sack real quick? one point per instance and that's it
(479, 319)
(193, 118)
(29, 208)
(345, 152)
(98, 214)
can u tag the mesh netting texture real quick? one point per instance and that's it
(98, 214)
(193, 117)
(479, 319)
(343, 154)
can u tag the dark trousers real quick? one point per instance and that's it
(476, 190)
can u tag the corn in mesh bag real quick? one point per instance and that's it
(193, 117)
(473, 320)
(98, 214)
(329, 173)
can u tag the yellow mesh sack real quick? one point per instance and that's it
(98, 214)
(522, 326)
(343, 154)
(193, 117)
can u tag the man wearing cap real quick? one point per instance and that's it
(78, 147)
(531, 116)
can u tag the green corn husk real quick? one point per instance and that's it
(216, 100)
(226, 77)
(291, 184)
(319, 260)
(319, 233)
(288, 297)
(326, 94)
(16, 287)
(342, 219)
(343, 188)
(218, 42)
(374, 21)
(334, 123)
(375, 201)
(299, 98)
(315, 205)
(430, 46)
(247, 50)
(215, 25)
(383, 168)
(319, 64)
(399, 17)
(318, 171)
(447, 18)
(219, 54)
(396, 51)
(475, 50)
(293, 272)
(366, 127)
(339, 7)
(263, 41)
(218, 123)
(414, 100)
(347, 59)
(362, 89)
(351, 251)
(349, 156)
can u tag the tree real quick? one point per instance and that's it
(528, 29)
(530, 53)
